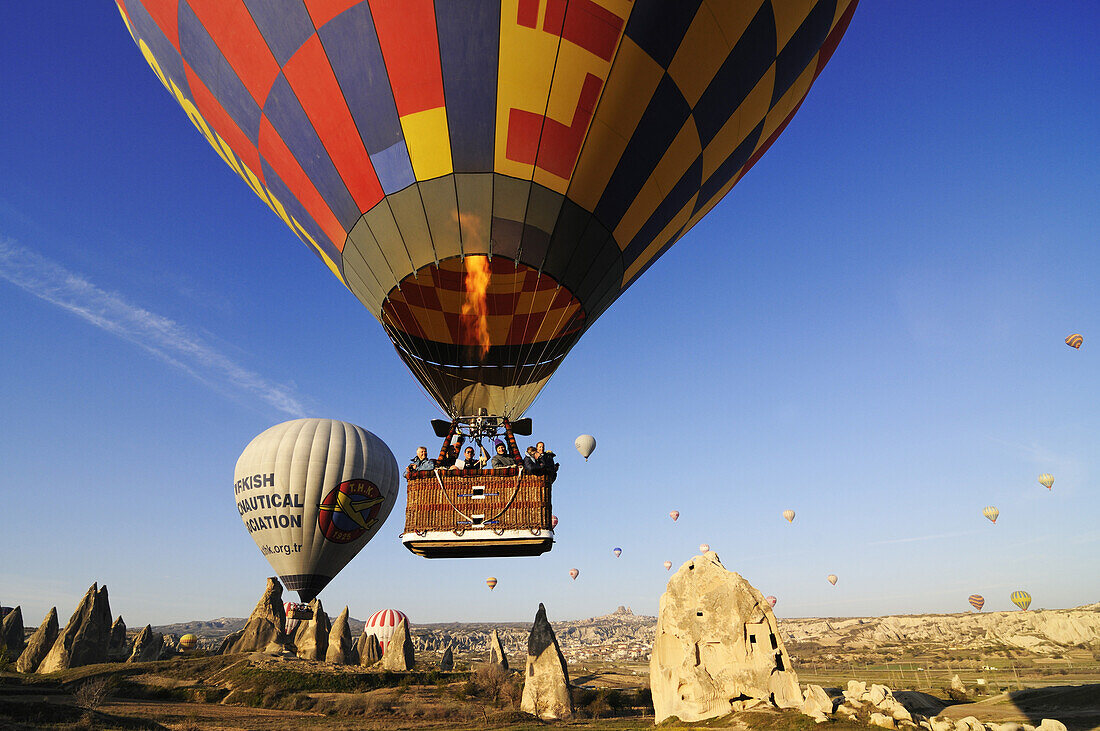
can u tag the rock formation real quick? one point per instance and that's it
(546, 677)
(39, 644)
(341, 651)
(117, 651)
(816, 703)
(11, 633)
(447, 663)
(399, 649)
(311, 638)
(148, 646)
(717, 647)
(85, 638)
(496, 651)
(370, 652)
(265, 630)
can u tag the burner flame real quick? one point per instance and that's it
(475, 310)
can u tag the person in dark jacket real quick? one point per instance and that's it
(421, 463)
(530, 462)
(501, 458)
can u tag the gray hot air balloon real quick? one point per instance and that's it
(311, 493)
(585, 444)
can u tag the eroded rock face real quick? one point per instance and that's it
(116, 646)
(85, 638)
(341, 650)
(148, 646)
(546, 676)
(717, 646)
(447, 663)
(39, 644)
(399, 650)
(370, 652)
(265, 630)
(311, 638)
(11, 633)
(496, 651)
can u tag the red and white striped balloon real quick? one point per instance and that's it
(383, 623)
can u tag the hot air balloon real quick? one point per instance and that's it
(771, 600)
(674, 514)
(312, 493)
(991, 512)
(585, 444)
(488, 178)
(704, 547)
(295, 613)
(789, 515)
(491, 582)
(832, 579)
(188, 642)
(668, 565)
(977, 601)
(553, 521)
(383, 623)
(617, 551)
(1046, 480)
(573, 573)
(1021, 599)
(1075, 340)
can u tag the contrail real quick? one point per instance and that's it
(160, 336)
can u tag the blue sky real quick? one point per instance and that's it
(868, 330)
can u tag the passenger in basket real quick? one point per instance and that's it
(546, 460)
(450, 456)
(501, 458)
(531, 462)
(421, 463)
(467, 461)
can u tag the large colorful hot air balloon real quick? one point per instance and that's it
(977, 601)
(585, 444)
(668, 565)
(789, 515)
(383, 623)
(491, 582)
(1021, 599)
(1046, 480)
(674, 514)
(488, 177)
(188, 642)
(312, 493)
(1075, 340)
(574, 573)
(617, 551)
(831, 578)
(991, 512)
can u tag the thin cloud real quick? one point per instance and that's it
(922, 538)
(157, 335)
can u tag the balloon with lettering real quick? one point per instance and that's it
(789, 515)
(977, 601)
(832, 579)
(1021, 599)
(991, 512)
(312, 493)
(488, 178)
(574, 573)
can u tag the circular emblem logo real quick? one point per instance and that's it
(349, 510)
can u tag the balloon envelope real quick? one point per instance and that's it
(977, 601)
(553, 521)
(789, 515)
(617, 551)
(1075, 341)
(491, 582)
(1021, 599)
(668, 565)
(1046, 480)
(585, 444)
(312, 493)
(674, 514)
(485, 183)
(188, 642)
(704, 547)
(771, 600)
(991, 512)
(832, 579)
(574, 574)
(383, 623)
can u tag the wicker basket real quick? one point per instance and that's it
(477, 500)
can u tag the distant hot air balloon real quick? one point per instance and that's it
(668, 565)
(312, 493)
(771, 600)
(674, 514)
(1046, 480)
(487, 179)
(574, 574)
(1021, 599)
(789, 515)
(832, 579)
(553, 521)
(991, 512)
(977, 601)
(585, 444)
(188, 642)
(704, 547)
(617, 551)
(383, 623)
(491, 582)
(1075, 340)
